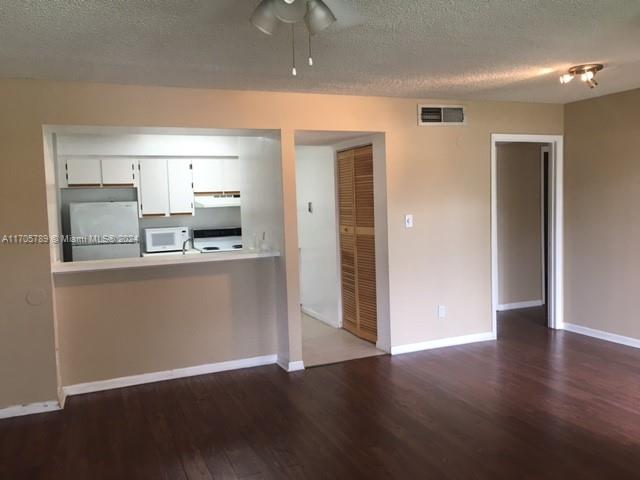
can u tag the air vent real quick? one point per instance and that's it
(441, 115)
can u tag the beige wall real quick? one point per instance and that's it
(440, 174)
(127, 322)
(602, 223)
(519, 223)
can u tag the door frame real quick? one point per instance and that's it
(378, 142)
(555, 302)
(337, 151)
(543, 243)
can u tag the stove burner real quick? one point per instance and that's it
(210, 249)
(237, 246)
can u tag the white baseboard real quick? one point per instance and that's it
(515, 306)
(291, 366)
(602, 335)
(312, 313)
(168, 375)
(29, 409)
(442, 342)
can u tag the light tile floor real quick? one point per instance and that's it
(322, 344)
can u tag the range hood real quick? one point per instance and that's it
(217, 201)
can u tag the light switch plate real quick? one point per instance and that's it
(442, 311)
(408, 221)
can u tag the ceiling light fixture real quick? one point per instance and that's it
(264, 18)
(318, 16)
(586, 72)
(314, 13)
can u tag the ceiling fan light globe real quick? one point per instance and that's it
(264, 18)
(289, 12)
(318, 16)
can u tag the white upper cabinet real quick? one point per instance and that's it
(208, 175)
(232, 175)
(180, 186)
(83, 171)
(216, 175)
(154, 186)
(118, 171)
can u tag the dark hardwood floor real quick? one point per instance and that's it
(535, 404)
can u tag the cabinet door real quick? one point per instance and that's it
(118, 171)
(208, 175)
(154, 187)
(232, 175)
(83, 172)
(180, 186)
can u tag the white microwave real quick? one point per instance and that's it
(166, 239)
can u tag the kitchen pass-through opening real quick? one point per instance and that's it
(124, 193)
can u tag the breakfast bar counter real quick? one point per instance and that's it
(157, 261)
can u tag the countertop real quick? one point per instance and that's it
(158, 261)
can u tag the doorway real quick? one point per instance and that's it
(341, 190)
(357, 241)
(535, 250)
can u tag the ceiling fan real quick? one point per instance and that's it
(315, 14)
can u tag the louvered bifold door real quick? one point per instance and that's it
(357, 242)
(347, 220)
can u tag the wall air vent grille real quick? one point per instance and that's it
(441, 115)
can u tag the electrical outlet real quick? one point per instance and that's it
(408, 221)
(442, 311)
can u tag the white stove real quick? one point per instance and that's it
(212, 240)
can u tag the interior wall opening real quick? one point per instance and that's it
(131, 192)
(526, 230)
(522, 231)
(341, 196)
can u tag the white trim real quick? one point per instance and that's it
(442, 342)
(517, 305)
(141, 379)
(602, 335)
(543, 245)
(30, 409)
(292, 366)
(312, 313)
(555, 301)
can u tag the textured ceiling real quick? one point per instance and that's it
(467, 49)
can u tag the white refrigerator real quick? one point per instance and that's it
(102, 230)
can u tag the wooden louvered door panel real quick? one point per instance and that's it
(357, 242)
(365, 244)
(347, 220)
